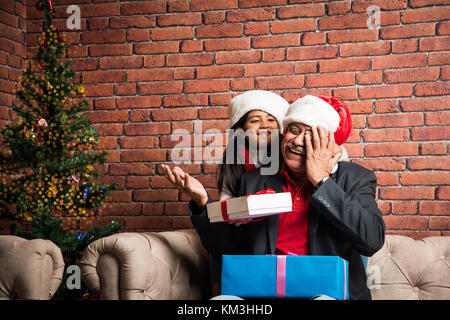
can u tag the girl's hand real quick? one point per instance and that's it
(237, 223)
(185, 183)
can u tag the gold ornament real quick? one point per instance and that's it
(80, 90)
(18, 123)
(6, 152)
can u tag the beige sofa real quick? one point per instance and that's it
(29, 269)
(174, 265)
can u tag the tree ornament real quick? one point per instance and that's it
(6, 152)
(39, 6)
(43, 123)
(80, 90)
(18, 123)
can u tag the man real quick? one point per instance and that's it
(334, 209)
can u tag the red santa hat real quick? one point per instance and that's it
(266, 101)
(328, 112)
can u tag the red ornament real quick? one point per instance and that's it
(42, 65)
(39, 6)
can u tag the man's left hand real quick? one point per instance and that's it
(319, 154)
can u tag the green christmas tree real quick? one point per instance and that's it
(46, 156)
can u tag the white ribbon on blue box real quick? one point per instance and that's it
(291, 276)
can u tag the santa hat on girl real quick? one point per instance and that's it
(328, 112)
(262, 100)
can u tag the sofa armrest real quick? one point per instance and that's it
(152, 265)
(29, 269)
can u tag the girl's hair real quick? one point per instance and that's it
(230, 174)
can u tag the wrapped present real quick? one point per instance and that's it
(291, 276)
(260, 204)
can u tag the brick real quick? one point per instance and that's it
(353, 21)
(271, 55)
(276, 41)
(284, 82)
(386, 164)
(143, 155)
(179, 19)
(305, 10)
(406, 45)
(433, 133)
(153, 208)
(125, 169)
(233, 71)
(437, 118)
(217, 85)
(184, 73)
(137, 182)
(154, 61)
(139, 115)
(172, 33)
(443, 193)
(106, 36)
(432, 148)
(157, 47)
(97, 90)
(443, 28)
(370, 77)
(391, 149)
(108, 116)
(267, 69)
(330, 80)
(242, 84)
(138, 35)
(384, 135)
(138, 21)
(190, 59)
(182, 223)
(387, 178)
(110, 49)
(160, 87)
(425, 178)
(358, 107)
(238, 57)
(306, 67)
(174, 114)
(155, 195)
(439, 223)
(215, 113)
(433, 163)
(395, 120)
(431, 89)
(407, 31)
(290, 26)
(177, 208)
(405, 207)
(256, 29)
(349, 64)
(337, 8)
(185, 100)
(143, 7)
(312, 53)
(258, 14)
(142, 129)
(406, 193)
(216, 17)
(362, 5)
(227, 44)
(357, 35)
(220, 31)
(425, 104)
(125, 89)
(138, 142)
(385, 91)
(312, 38)
(207, 5)
(399, 61)
(120, 62)
(219, 99)
(408, 222)
(260, 3)
(435, 44)
(149, 74)
(411, 75)
(425, 3)
(104, 76)
(428, 14)
(138, 102)
(438, 58)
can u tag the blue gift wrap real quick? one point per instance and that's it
(291, 276)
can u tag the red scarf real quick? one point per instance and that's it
(248, 166)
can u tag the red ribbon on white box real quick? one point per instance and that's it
(223, 204)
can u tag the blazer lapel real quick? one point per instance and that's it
(275, 182)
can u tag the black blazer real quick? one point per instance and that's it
(344, 221)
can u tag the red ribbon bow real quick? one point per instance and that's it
(223, 204)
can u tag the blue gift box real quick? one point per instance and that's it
(270, 276)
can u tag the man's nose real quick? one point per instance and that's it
(299, 140)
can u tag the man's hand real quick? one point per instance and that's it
(186, 183)
(319, 154)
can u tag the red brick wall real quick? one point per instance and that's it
(151, 67)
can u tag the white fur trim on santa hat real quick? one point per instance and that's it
(312, 111)
(262, 100)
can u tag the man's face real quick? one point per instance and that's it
(293, 147)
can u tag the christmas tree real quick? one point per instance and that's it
(46, 156)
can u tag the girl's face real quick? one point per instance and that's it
(261, 124)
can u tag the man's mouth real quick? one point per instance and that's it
(297, 150)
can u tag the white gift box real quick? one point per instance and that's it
(251, 206)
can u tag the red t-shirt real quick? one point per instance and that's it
(293, 226)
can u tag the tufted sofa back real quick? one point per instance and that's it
(407, 269)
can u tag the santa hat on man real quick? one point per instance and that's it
(328, 112)
(262, 100)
